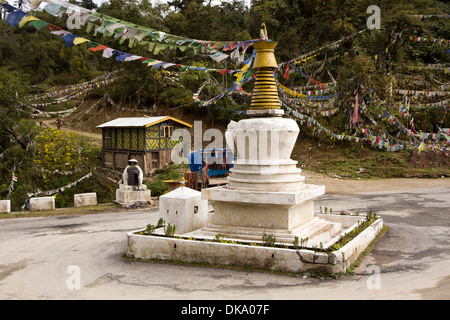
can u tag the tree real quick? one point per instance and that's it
(10, 112)
(181, 5)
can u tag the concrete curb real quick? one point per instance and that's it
(259, 257)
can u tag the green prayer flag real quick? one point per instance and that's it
(92, 44)
(159, 47)
(38, 24)
(89, 27)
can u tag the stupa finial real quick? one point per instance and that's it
(265, 100)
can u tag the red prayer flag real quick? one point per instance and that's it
(98, 48)
(286, 73)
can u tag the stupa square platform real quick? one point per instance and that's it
(263, 209)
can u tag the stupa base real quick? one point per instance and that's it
(244, 246)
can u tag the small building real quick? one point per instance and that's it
(146, 139)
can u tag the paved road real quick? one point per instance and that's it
(40, 258)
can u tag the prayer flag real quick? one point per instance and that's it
(25, 20)
(79, 40)
(14, 18)
(98, 46)
(286, 72)
(38, 24)
(412, 126)
(69, 39)
(355, 112)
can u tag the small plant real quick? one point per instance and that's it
(160, 223)
(268, 240)
(296, 242)
(371, 216)
(326, 209)
(318, 274)
(169, 230)
(219, 237)
(303, 242)
(150, 228)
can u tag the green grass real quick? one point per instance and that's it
(104, 208)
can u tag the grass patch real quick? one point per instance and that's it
(369, 248)
(346, 238)
(103, 208)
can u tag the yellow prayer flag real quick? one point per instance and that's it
(26, 19)
(79, 40)
(151, 63)
(421, 147)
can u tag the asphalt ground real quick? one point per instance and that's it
(82, 257)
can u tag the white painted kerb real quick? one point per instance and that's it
(42, 203)
(85, 199)
(5, 206)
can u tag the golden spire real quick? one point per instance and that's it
(265, 100)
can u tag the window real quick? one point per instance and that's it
(166, 131)
(107, 138)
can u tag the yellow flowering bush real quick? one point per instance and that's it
(57, 150)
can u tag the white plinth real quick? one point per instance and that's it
(129, 195)
(85, 199)
(184, 208)
(42, 203)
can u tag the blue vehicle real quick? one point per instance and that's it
(218, 161)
